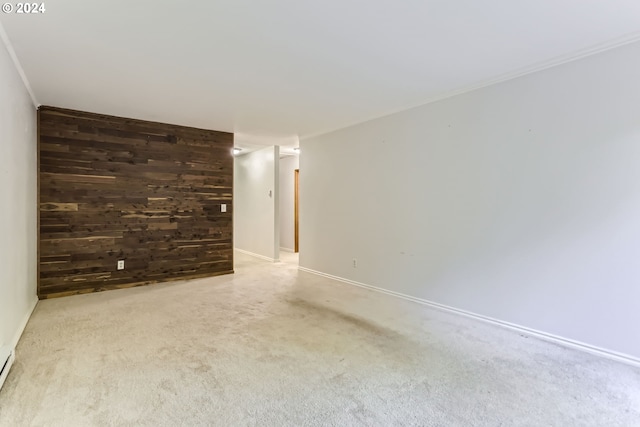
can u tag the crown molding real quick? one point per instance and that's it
(520, 72)
(12, 53)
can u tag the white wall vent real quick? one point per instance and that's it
(6, 360)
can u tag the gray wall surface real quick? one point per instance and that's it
(518, 201)
(18, 217)
(255, 222)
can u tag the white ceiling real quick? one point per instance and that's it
(276, 70)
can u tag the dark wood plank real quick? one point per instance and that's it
(113, 188)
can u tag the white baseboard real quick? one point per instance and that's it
(602, 352)
(266, 258)
(14, 342)
(287, 250)
(23, 324)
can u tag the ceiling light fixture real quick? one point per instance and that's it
(236, 151)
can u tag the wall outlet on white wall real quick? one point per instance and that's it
(121, 264)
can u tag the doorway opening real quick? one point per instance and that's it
(289, 212)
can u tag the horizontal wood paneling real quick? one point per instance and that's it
(147, 193)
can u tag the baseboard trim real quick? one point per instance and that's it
(14, 342)
(602, 352)
(23, 324)
(287, 250)
(266, 258)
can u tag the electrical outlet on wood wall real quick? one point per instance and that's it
(113, 188)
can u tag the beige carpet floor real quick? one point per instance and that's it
(272, 346)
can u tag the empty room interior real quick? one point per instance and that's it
(287, 213)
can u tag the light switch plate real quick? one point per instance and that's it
(223, 208)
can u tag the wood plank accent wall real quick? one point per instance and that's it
(147, 193)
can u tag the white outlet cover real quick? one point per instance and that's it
(223, 208)
(121, 265)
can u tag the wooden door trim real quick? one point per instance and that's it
(296, 210)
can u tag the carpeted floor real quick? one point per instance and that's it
(272, 346)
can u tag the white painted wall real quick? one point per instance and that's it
(18, 221)
(288, 165)
(255, 212)
(519, 201)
